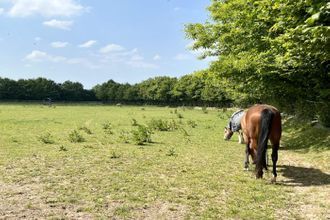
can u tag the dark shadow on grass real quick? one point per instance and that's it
(303, 176)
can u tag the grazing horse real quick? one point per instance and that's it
(234, 125)
(260, 123)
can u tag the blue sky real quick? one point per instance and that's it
(93, 41)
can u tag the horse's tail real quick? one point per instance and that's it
(265, 126)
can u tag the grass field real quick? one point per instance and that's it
(83, 162)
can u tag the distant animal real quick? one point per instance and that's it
(260, 123)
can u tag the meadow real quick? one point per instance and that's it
(142, 162)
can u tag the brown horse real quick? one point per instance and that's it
(260, 123)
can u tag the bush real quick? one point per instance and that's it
(142, 135)
(76, 137)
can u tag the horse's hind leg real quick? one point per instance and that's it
(274, 159)
(247, 154)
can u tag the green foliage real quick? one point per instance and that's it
(162, 125)
(141, 135)
(268, 51)
(76, 137)
(46, 138)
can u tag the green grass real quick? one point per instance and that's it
(184, 173)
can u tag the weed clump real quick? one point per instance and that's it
(171, 152)
(107, 127)
(192, 123)
(46, 138)
(124, 136)
(142, 135)
(114, 155)
(162, 125)
(76, 137)
(85, 129)
(62, 148)
(134, 122)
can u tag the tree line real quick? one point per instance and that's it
(199, 88)
(41, 89)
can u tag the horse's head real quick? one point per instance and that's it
(228, 133)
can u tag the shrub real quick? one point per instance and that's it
(46, 138)
(76, 137)
(142, 135)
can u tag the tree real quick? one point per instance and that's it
(269, 50)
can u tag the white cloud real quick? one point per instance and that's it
(176, 9)
(39, 56)
(182, 56)
(46, 8)
(37, 39)
(59, 44)
(64, 25)
(87, 44)
(156, 57)
(114, 53)
(1, 10)
(110, 48)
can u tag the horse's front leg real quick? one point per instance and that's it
(240, 138)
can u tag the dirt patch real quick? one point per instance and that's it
(25, 202)
(162, 210)
(309, 186)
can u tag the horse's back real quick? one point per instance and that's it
(251, 121)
